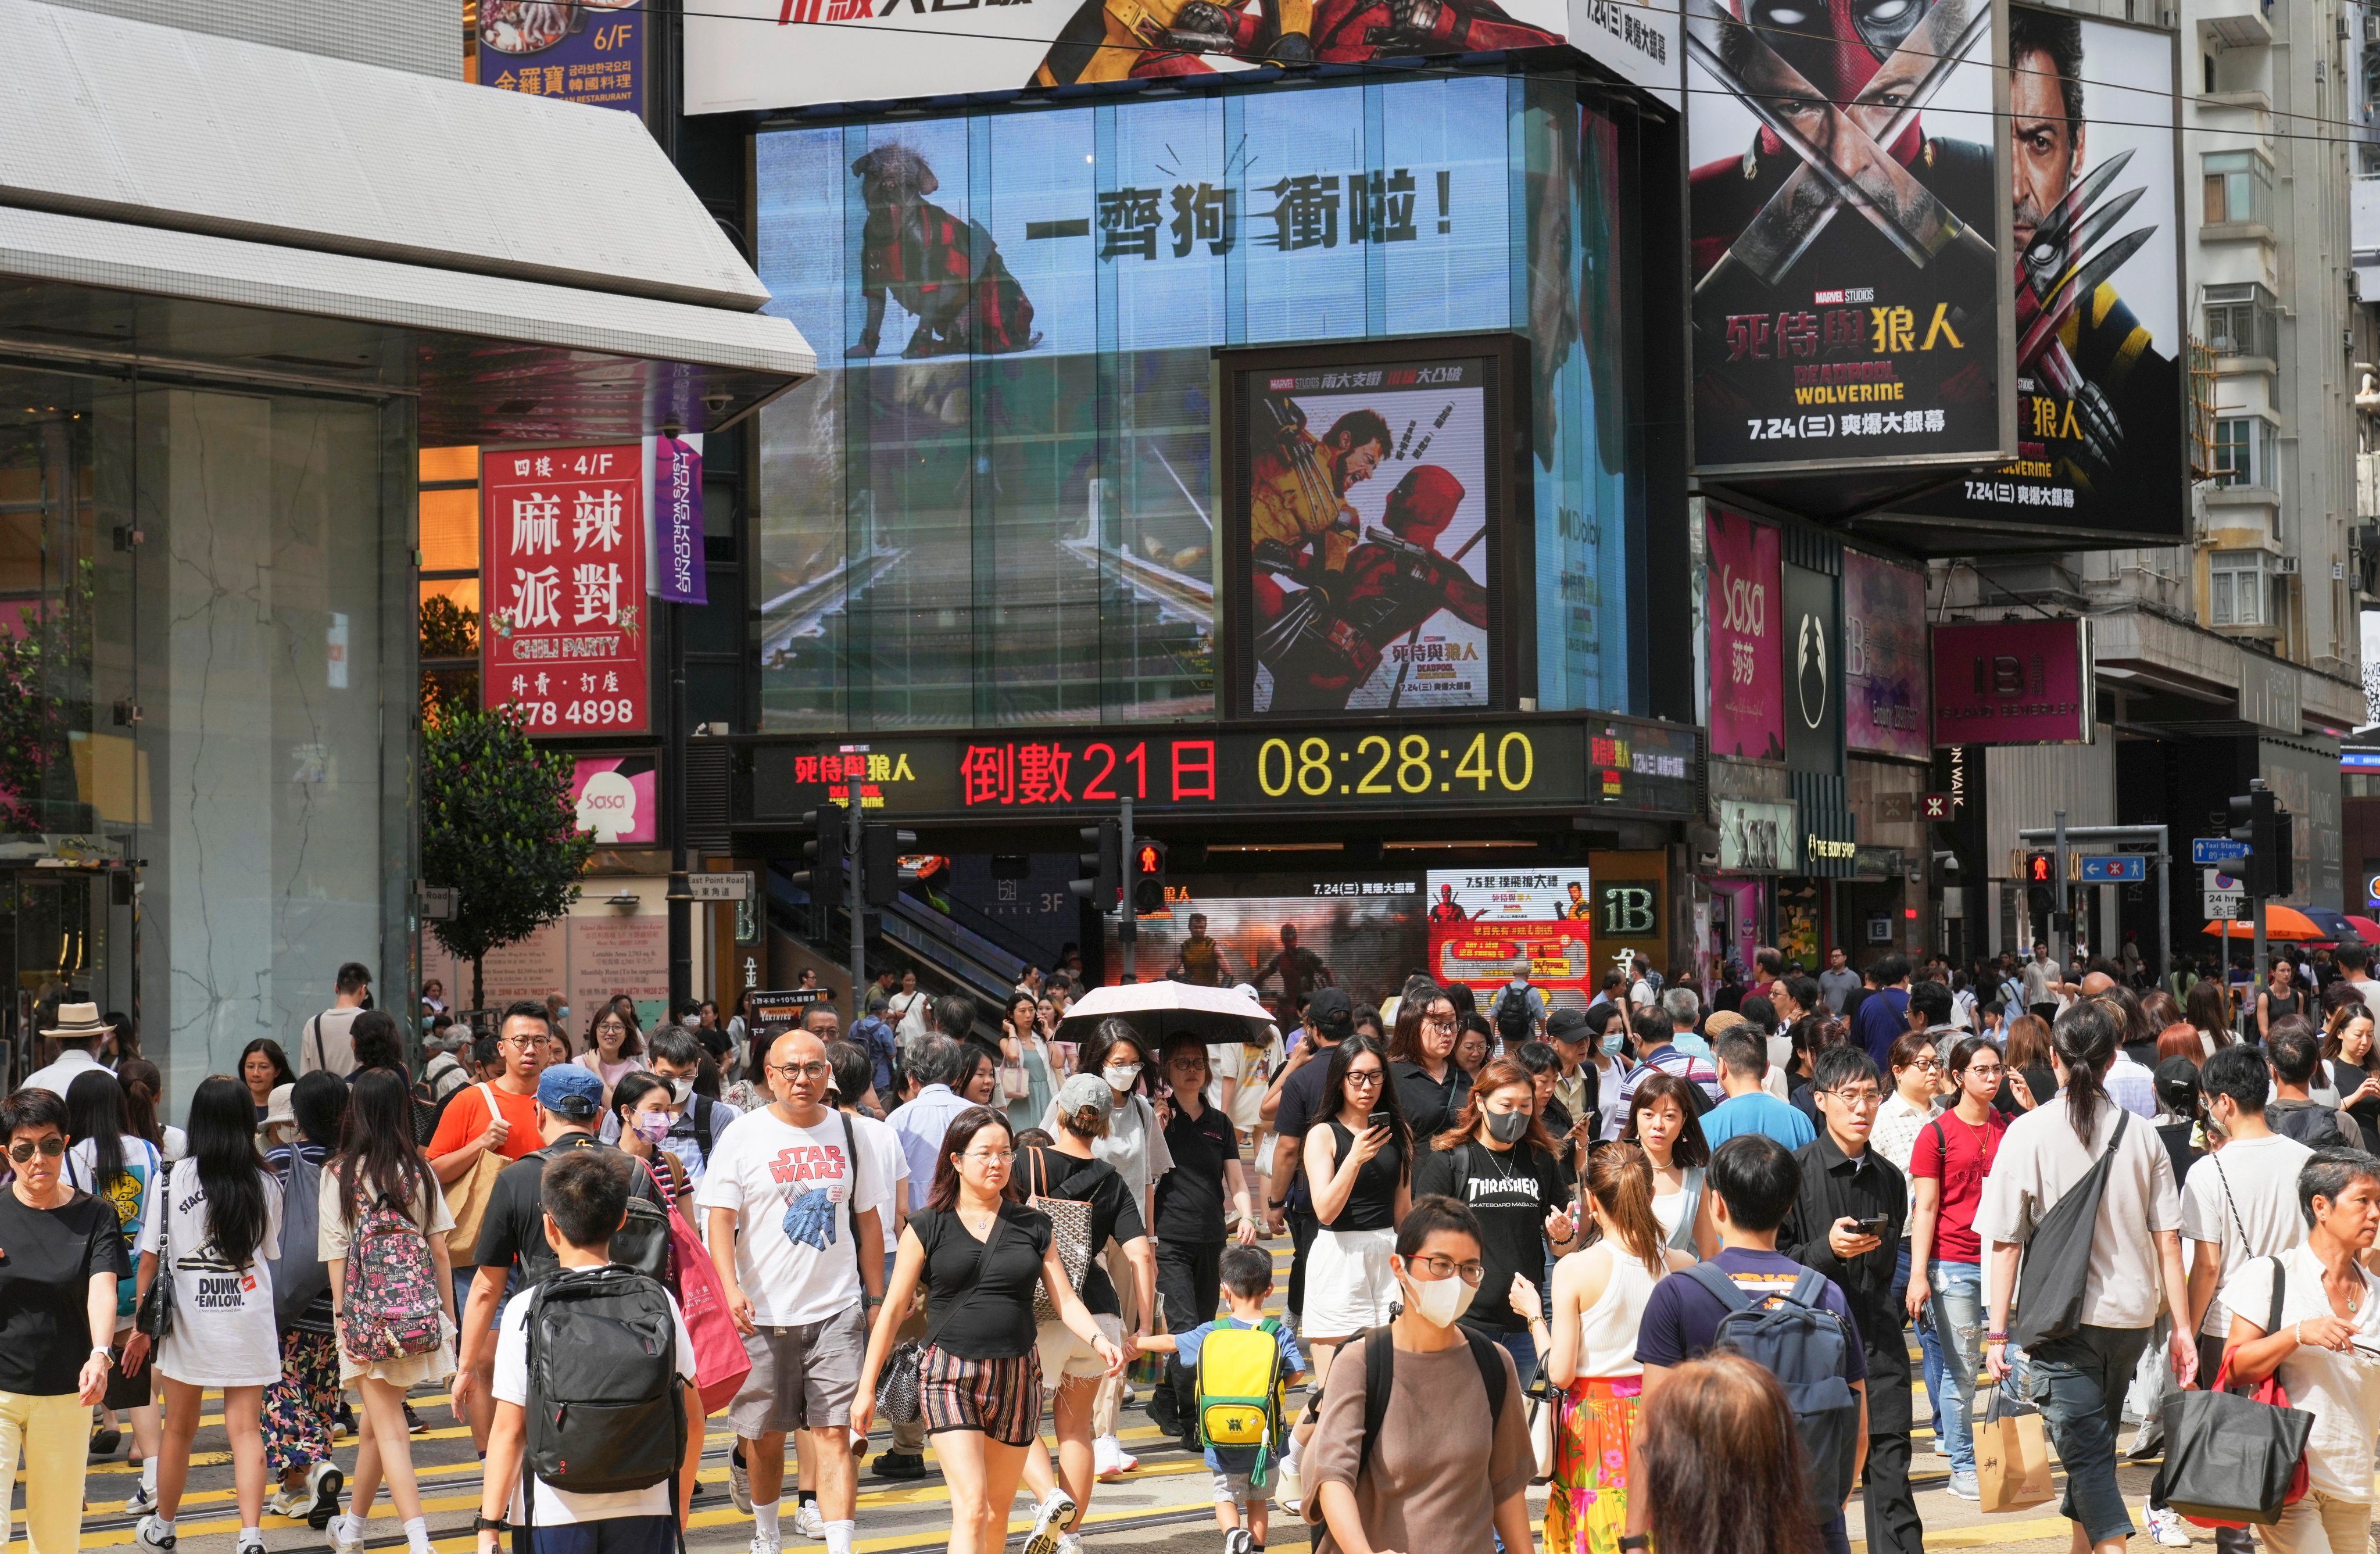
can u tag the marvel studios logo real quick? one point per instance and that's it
(1849, 294)
(1279, 383)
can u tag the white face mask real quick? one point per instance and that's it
(681, 1091)
(1120, 1077)
(1441, 1302)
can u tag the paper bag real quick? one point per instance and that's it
(2011, 1453)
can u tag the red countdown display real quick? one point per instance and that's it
(562, 539)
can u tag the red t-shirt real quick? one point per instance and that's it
(1959, 1155)
(466, 1118)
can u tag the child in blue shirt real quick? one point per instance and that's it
(1247, 1282)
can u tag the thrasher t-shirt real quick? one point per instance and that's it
(797, 1192)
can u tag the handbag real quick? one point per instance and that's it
(468, 1194)
(1070, 1230)
(1545, 1419)
(721, 1362)
(2231, 1461)
(1012, 1084)
(2011, 1454)
(2058, 1254)
(155, 1316)
(899, 1399)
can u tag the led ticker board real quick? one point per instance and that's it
(1627, 765)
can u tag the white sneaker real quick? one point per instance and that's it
(1069, 1544)
(739, 1485)
(2165, 1527)
(251, 1548)
(142, 1501)
(1055, 1512)
(292, 1504)
(1110, 1461)
(1239, 1540)
(347, 1534)
(323, 1481)
(148, 1535)
(764, 1543)
(807, 1521)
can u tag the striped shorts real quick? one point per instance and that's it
(1001, 1398)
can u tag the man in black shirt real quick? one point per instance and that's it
(512, 1249)
(1846, 1223)
(1297, 1101)
(1189, 1218)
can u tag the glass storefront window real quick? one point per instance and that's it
(995, 503)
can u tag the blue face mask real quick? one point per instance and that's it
(1612, 1038)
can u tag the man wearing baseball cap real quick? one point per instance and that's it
(512, 1253)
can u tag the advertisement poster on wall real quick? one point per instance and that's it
(1367, 534)
(743, 55)
(1847, 266)
(2012, 683)
(1289, 934)
(1489, 926)
(563, 564)
(2098, 388)
(613, 796)
(592, 52)
(1886, 705)
(1747, 699)
(1814, 678)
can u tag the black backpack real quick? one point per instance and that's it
(1513, 1021)
(1806, 1348)
(642, 1242)
(606, 1410)
(2314, 1126)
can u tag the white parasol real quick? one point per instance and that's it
(1159, 1009)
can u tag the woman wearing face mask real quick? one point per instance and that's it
(1134, 1146)
(1662, 1122)
(1449, 1470)
(1499, 1159)
(640, 1105)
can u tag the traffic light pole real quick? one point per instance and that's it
(2058, 947)
(1128, 917)
(859, 867)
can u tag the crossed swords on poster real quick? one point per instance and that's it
(2060, 268)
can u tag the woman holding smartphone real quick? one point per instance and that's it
(1360, 1163)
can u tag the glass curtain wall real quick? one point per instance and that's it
(207, 640)
(995, 506)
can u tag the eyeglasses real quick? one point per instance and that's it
(1859, 1099)
(521, 1043)
(52, 1147)
(1437, 1022)
(804, 1071)
(1367, 1077)
(1932, 1065)
(1447, 1268)
(989, 1157)
(1984, 1070)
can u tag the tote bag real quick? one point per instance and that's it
(2233, 1461)
(1070, 1230)
(720, 1362)
(468, 1194)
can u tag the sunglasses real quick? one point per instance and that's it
(52, 1147)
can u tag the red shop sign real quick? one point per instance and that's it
(563, 586)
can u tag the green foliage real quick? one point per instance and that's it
(448, 631)
(497, 824)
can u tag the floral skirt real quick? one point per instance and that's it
(1586, 1507)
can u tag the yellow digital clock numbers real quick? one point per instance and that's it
(1376, 767)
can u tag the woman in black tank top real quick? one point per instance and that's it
(2279, 998)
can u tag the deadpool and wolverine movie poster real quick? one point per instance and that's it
(1370, 535)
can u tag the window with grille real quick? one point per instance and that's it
(2237, 594)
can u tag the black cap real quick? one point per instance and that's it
(1333, 1011)
(2177, 1086)
(1566, 1024)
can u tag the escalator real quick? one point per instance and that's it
(948, 956)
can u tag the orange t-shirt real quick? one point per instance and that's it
(466, 1118)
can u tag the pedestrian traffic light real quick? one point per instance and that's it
(1147, 877)
(827, 856)
(879, 853)
(1102, 885)
(2039, 869)
(2258, 819)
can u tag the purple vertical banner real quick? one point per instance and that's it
(677, 522)
(591, 52)
(1746, 715)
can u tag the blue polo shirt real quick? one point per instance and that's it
(1756, 1112)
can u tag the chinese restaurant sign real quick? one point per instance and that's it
(1568, 764)
(592, 52)
(2012, 683)
(561, 570)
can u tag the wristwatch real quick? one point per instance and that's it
(489, 1524)
(1636, 1541)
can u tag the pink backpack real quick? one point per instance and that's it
(394, 1307)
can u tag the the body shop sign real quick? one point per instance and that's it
(2012, 683)
(563, 557)
(1747, 681)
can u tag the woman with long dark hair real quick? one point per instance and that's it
(263, 1068)
(379, 1185)
(980, 1376)
(1498, 1157)
(2207, 1009)
(1662, 1123)
(1430, 1088)
(1359, 1162)
(1024, 1053)
(215, 1229)
(110, 1161)
(2135, 1254)
(615, 1047)
(2030, 1078)
(1719, 1465)
(1599, 1296)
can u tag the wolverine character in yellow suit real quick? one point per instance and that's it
(1298, 500)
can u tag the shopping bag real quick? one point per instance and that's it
(721, 1361)
(2011, 1453)
(2231, 1461)
(1545, 1418)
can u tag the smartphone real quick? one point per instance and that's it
(1874, 1224)
(1377, 1120)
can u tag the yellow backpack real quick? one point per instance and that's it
(1240, 1394)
